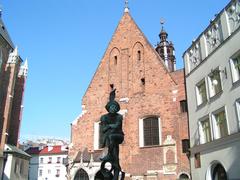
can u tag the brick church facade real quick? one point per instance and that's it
(13, 75)
(151, 93)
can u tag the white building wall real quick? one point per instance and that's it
(16, 168)
(49, 170)
(226, 154)
(225, 150)
(230, 94)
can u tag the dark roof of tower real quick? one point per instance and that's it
(4, 33)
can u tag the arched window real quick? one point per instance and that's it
(138, 68)
(183, 176)
(218, 172)
(81, 175)
(149, 131)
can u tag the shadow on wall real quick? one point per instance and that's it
(233, 171)
(3, 96)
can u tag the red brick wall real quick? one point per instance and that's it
(154, 98)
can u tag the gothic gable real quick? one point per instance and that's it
(129, 64)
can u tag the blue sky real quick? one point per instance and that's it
(64, 41)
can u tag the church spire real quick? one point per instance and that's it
(165, 49)
(163, 34)
(126, 10)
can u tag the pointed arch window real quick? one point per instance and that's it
(115, 60)
(139, 55)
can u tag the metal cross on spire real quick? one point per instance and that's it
(126, 6)
(162, 21)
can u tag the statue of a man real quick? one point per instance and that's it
(112, 134)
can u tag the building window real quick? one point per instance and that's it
(40, 172)
(235, 67)
(149, 131)
(115, 60)
(58, 159)
(238, 111)
(215, 85)
(139, 55)
(58, 173)
(220, 124)
(183, 106)
(205, 131)
(50, 160)
(41, 160)
(16, 167)
(22, 167)
(197, 160)
(143, 81)
(218, 172)
(201, 92)
(183, 176)
(100, 139)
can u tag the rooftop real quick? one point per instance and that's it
(47, 150)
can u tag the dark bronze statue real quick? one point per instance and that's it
(112, 136)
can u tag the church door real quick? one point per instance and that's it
(81, 175)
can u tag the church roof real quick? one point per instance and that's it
(4, 33)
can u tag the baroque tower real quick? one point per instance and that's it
(166, 50)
